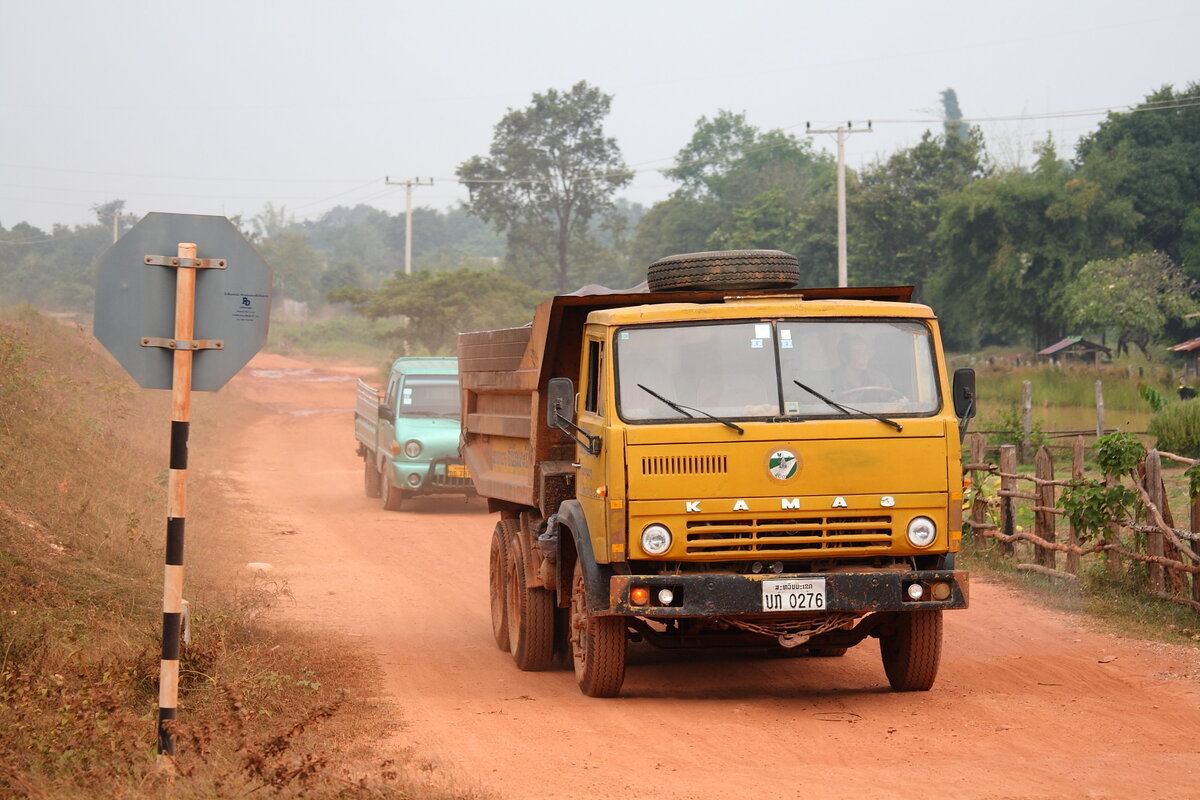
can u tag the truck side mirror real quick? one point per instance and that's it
(964, 393)
(560, 399)
(385, 412)
(560, 413)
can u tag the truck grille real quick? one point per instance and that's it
(685, 465)
(446, 482)
(816, 534)
(441, 477)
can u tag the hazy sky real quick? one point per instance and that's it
(219, 107)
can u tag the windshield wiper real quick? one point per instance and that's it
(847, 409)
(682, 409)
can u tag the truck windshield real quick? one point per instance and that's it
(429, 396)
(747, 370)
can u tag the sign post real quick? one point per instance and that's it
(141, 293)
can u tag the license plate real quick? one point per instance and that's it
(457, 471)
(793, 594)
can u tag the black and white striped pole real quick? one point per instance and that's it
(181, 402)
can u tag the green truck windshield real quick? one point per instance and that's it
(780, 368)
(430, 395)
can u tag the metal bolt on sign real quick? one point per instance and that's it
(134, 301)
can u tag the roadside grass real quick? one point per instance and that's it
(343, 338)
(1073, 385)
(265, 709)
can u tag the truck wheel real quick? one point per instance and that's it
(724, 269)
(912, 652)
(597, 645)
(372, 480)
(392, 497)
(497, 571)
(530, 614)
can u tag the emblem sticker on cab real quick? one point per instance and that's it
(783, 464)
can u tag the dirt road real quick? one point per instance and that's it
(1029, 704)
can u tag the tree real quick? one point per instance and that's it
(744, 188)
(1152, 156)
(896, 206)
(437, 305)
(952, 114)
(716, 147)
(1011, 242)
(1135, 296)
(550, 171)
(296, 267)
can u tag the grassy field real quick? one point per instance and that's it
(265, 710)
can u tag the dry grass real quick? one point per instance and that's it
(264, 710)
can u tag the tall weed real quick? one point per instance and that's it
(1177, 428)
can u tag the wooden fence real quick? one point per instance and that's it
(1151, 537)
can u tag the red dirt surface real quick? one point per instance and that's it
(1028, 704)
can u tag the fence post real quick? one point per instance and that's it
(1008, 504)
(1076, 475)
(1112, 536)
(1195, 526)
(1026, 422)
(979, 503)
(1099, 408)
(1154, 540)
(1044, 518)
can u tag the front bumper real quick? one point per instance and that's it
(447, 475)
(729, 594)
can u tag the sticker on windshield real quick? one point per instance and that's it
(783, 464)
(762, 331)
(756, 344)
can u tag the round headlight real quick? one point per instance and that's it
(656, 539)
(412, 448)
(921, 532)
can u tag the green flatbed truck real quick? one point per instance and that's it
(408, 433)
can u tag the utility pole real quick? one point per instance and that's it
(117, 219)
(408, 187)
(842, 132)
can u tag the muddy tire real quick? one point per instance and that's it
(393, 498)
(497, 574)
(912, 651)
(372, 480)
(597, 645)
(530, 613)
(724, 270)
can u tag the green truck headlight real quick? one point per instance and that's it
(412, 448)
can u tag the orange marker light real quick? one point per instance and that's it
(639, 595)
(602, 491)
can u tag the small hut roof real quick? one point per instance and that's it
(1186, 347)
(1072, 341)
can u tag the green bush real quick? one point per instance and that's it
(1177, 428)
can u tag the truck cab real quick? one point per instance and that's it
(408, 434)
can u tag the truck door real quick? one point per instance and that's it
(592, 477)
(387, 422)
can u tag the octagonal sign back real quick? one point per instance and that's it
(135, 300)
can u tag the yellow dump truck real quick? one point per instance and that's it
(719, 459)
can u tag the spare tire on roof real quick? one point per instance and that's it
(724, 270)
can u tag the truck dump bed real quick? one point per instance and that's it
(514, 457)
